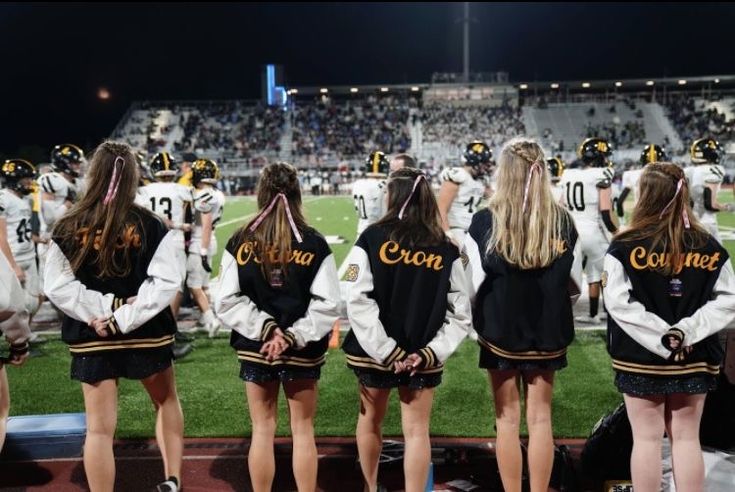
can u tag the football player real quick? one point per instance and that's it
(556, 168)
(369, 193)
(15, 226)
(60, 187)
(651, 153)
(705, 178)
(588, 196)
(208, 207)
(463, 189)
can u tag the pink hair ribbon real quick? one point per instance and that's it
(535, 168)
(268, 210)
(114, 181)
(684, 215)
(413, 190)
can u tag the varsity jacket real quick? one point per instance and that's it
(524, 315)
(697, 301)
(402, 301)
(154, 280)
(302, 302)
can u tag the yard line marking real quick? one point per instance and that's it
(248, 216)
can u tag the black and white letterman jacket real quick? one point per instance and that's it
(524, 315)
(154, 279)
(402, 301)
(304, 306)
(644, 305)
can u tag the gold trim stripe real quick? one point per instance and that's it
(248, 356)
(370, 363)
(528, 355)
(141, 343)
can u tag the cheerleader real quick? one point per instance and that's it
(111, 269)
(526, 272)
(408, 307)
(669, 288)
(278, 293)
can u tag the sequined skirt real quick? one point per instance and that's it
(387, 380)
(256, 373)
(642, 385)
(129, 364)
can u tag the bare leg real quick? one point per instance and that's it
(263, 405)
(646, 415)
(369, 433)
(415, 415)
(4, 404)
(176, 304)
(686, 453)
(100, 402)
(302, 398)
(538, 391)
(161, 387)
(507, 421)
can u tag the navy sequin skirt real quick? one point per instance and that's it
(642, 385)
(129, 364)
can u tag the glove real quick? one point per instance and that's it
(205, 264)
(71, 195)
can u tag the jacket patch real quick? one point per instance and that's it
(352, 272)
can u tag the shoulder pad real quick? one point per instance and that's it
(453, 174)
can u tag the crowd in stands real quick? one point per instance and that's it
(692, 119)
(621, 135)
(453, 126)
(351, 128)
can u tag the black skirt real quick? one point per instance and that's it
(129, 364)
(388, 380)
(258, 373)
(643, 385)
(492, 361)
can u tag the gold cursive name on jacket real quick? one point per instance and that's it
(129, 238)
(246, 252)
(641, 259)
(392, 253)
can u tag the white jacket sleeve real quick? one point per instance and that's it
(474, 271)
(458, 320)
(69, 294)
(51, 212)
(237, 311)
(575, 276)
(165, 276)
(716, 314)
(643, 326)
(364, 313)
(323, 310)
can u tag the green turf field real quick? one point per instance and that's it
(213, 398)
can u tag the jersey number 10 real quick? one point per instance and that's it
(575, 196)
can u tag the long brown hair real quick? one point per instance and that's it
(526, 229)
(273, 235)
(421, 223)
(99, 232)
(664, 228)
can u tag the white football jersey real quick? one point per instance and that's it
(630, 180)
(700, 177)
(167, 200)
(470, 194)
(557, 191)
(370, 201)
(17, 214)
(206, 200)
(581, 194)
(57, 185)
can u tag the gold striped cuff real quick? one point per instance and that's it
(112, 326)
(269, 326)
(290, 338)
(117, 302)
(429, 357)
(397, 354)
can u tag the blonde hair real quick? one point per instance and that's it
(527, 237)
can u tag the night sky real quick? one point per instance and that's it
(55, 57)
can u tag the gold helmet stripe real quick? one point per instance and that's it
(164, 156)
(652, 155)
(376, 162)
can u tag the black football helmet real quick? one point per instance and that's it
(377, 164)
(13, 171)
(595, 152)
(477, 153)
(555, 167)
(163, 164)
(205, 171)
(653, 153)
(63, 156)
(706, 151)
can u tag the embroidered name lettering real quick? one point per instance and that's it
(129, 238)
(560, 246)
(246, 252)
(641, 259)
(392, 253)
